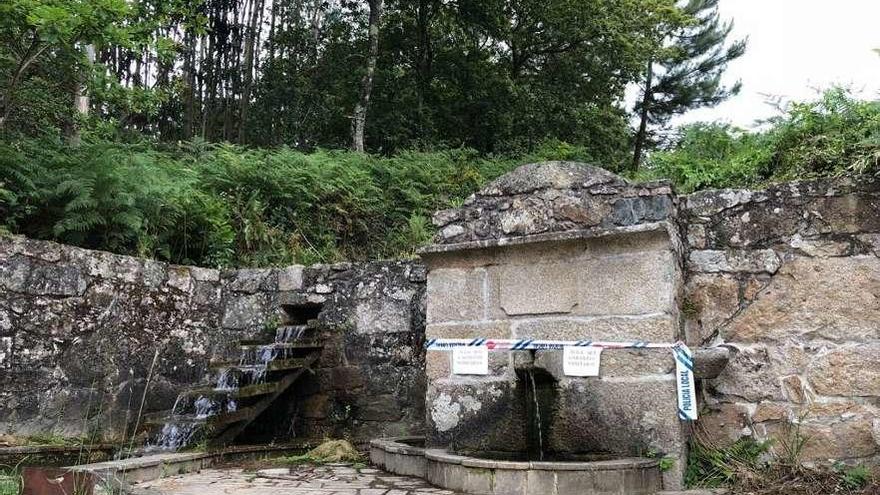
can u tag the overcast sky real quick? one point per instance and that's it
(794, 47)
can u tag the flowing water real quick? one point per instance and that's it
(189, 413)
(538, 424)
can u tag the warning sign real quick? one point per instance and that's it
(470, 361)
(581, 361)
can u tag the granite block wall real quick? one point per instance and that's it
(789, 278)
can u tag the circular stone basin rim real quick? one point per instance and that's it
(484, 476)
(444, 456)
(398, 445)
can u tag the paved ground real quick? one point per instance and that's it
(301, 480)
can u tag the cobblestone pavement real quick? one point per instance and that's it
(300, 480)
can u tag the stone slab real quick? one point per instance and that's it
(456, 294)
(537, 289)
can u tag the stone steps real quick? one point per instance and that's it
(238, 393)
(254, 411)
(277, 365)
(248, 378)
(300, 344)
(221, 419)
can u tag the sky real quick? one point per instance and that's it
(796, 47)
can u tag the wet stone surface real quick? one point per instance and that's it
(299, 480)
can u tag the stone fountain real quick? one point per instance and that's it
(557, 251)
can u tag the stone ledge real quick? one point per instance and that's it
(571, 235)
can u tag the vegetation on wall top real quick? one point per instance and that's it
(221, 204)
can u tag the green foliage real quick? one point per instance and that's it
(10, 481)
(853, 477)
(497, 76)
(830, 136)
(712, 156)
(221, 205)
(834, 135)
(666, 463)
(686, 72)
(10, 478)
(42, 38)
(748, 466)
(53, 439)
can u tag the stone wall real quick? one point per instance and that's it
(789, 278)
(552, 197)
(81, 330)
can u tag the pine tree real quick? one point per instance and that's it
(687, 72)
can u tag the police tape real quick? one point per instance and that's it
(536, 345)
(684, 380)
(684, 359)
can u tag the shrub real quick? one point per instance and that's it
(219, 204)
(834, 135)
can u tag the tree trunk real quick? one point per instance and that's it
(424, 50)
(642, 133)
(81, 101)
(315, 24)
(247, 83)
(359, 119)
(189, 96)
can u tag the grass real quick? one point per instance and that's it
(749, 467)
(10, 483)
(715, 467)
(10, 479)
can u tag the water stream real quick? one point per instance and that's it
(190, 411)
(538, 423)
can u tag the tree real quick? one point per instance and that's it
(359, 119)
(686, 73)
(31, 29)
(505, 76)
(499, 76)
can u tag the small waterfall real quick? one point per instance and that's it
(189, 413)
(290, 333)
(175, 435)
(205, 407)
(226, 380)
(537, 414)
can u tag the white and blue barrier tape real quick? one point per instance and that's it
(684, 359)
(535, 344)
(684, 380)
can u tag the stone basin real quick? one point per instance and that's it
(480, 476)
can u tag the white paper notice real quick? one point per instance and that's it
(470, 361)
(581, 361)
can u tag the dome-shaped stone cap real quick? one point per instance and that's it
(550, 175)
(552, 197)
